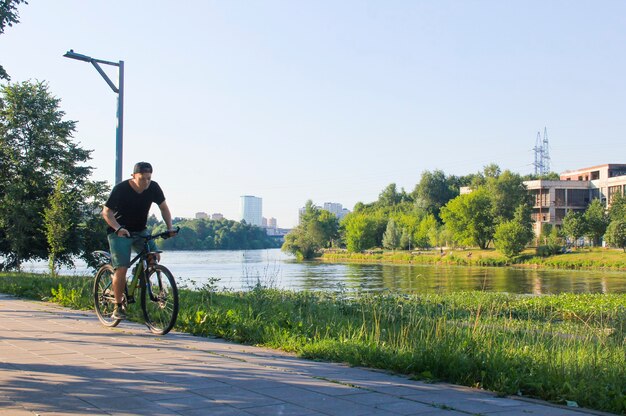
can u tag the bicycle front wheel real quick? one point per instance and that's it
(159, 300)
(103, 298)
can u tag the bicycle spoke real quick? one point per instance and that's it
(104, 300)
(160, 300)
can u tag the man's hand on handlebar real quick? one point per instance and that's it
(173, 231)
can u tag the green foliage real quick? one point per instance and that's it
(317, 229)
(207, 234)
(360, 231)
(596, 220)
(8, 17)
(617, 210)
(616, 234)
(57, 223)
(510, 238)
(391, 238)
(36, 151)
(507, 192)
(390, 196)
(434, 190)
(574, 226)
(470, 218)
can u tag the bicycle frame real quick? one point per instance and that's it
(138, 272)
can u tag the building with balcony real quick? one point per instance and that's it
(552, 200)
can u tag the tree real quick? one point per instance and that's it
(511, 237)
(508, 192)
(434, 191)
(574, 226)
(57, 223)
(617, 210)
(360, 231)
(596, 220)
(391, 238)
(469, 217)
(390, 196)
(424, 231)
(616, 234)
(36, 150)
(316, 230)
(8, 16)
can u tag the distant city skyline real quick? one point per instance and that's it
(325, 100)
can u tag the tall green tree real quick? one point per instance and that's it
(433, 191)
(58, 221)
(508, 192)
(469, 217)
(511, 237)
(391, 238)
(360, 231)
(574, 226)
(390, 196)
(317, 229)
(616, 234)
(36, 149)
(8, 17)
(597, 220)
(617, 210)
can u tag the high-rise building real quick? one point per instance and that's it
(201, 215)
(217, 216)
(251, 209)
(336, 209)
(271, 223)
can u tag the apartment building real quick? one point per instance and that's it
(552, 200)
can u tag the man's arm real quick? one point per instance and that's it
(109, 216)
(167, 215)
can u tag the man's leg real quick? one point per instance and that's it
(120, 259)
(119, 282)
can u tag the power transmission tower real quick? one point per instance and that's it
(542, 153)
(546, 152)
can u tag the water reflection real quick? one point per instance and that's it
(244, 269)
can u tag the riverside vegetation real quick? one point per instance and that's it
(563, 348)
(587, 258)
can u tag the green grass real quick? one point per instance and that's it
(560, 348)
(596, 258)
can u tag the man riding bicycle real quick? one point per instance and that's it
(126, 213)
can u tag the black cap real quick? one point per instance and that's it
(142, 167)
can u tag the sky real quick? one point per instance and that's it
(329, 100)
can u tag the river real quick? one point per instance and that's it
(243, 269)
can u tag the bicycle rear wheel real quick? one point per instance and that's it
(159, 300)
(103, 298)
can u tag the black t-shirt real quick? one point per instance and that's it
(131, 209)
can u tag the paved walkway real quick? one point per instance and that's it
(56, 361)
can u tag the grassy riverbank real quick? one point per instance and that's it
(558, 348)
(597, 258)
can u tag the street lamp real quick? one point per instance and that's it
(119, 133)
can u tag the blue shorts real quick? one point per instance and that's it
(121, 247)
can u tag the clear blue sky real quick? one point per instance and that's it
(329, 100)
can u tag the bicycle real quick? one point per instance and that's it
(159, 294)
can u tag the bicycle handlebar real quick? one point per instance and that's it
(164, 235)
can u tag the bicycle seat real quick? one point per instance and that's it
(102, 257)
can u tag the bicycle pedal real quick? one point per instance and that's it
(131, 299)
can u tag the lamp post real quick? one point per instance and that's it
(119, 90)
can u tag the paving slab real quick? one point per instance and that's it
(58, 361)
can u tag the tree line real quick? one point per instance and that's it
(495, 213)
(207, 234)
